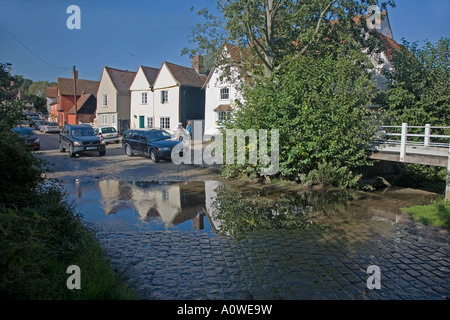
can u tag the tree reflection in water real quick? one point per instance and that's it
(239, 210)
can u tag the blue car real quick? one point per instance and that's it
(155, 143)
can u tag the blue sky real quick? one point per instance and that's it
(125, 34)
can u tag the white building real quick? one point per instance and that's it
(175, 95)
(113, 99)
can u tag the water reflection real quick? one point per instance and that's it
(213, 207)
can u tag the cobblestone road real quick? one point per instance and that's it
(304, 264)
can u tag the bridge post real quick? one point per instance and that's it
(403, 142)
(447, 186)
(427, 135)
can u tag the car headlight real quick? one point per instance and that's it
(77, 144)
(102, 141)
(37, 140)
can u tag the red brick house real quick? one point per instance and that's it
(86, 106)
(65, 97)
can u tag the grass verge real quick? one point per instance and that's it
(436, 214)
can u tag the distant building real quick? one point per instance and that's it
(86, 106)
(65, 97)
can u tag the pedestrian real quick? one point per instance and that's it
(189, 128)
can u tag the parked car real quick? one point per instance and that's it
(31, 139)
(79, 139)
(108, 134)
(155, 143)
(36, 124)
(49, 127)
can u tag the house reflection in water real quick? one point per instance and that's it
(171, 203)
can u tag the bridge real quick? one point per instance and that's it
(414, 144)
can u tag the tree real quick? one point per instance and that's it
(318, 105)
(11, 109)
(265, 32)
(418, 87)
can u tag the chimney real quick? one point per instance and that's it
(197, 63)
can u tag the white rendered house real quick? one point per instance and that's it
(174, 95)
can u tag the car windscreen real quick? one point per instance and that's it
(53, 124)
(157, 135)
(24, 132)
(83, 132)
(108, 130)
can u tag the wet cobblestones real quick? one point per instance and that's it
(281, 264)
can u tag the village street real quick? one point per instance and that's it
(172, 264)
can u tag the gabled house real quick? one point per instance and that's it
(221, 93)
(176, 96)
(113, 99)
(65, 96)
(86, 106)
(142, 98)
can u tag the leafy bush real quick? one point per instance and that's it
(318, 105)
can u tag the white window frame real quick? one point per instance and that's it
(164, 122)
(149, 122)
(223, 116)
(224, 93)
(105, 100)
(144, 98)
(113, 119)
(164, 96)
(104, 119)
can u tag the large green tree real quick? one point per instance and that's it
(265, 32)
(419, 90)
(318, 105)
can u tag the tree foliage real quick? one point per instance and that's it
(419, 91)
(265, 32)
(318, 105)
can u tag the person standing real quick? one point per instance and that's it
(189, 128)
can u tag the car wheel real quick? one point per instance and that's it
(61, 149)
(102, 152)
(71, 153)
(154, 156)
(128, 150)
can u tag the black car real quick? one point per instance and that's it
(155, 143)
(79, 139)
(31, 139)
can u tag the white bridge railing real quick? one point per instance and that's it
(398, 136)
(423, 140)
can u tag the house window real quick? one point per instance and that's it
(164, 96)
(105, 100)
(225, 93)
(144, 98)
(105, 119)
(149, 122)
(164, 122)
(223, 116)
(113, 119)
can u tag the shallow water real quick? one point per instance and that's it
(211, 207)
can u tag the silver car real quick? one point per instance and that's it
(108, 134)
(49, 127)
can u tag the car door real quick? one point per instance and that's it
(133, 141)
(64, 138)
(142, 143)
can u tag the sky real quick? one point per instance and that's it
(125, 34)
